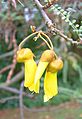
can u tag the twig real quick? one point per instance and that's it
(21, 3)
(14, 3)
(6, 36)
(40, 27)
(46, 18)
(21, 100)
(16, 78)
(14, 57)
(5, 68)
(49, 4)
(15, 91)
(54, 29)
(6, 54)
(3, 100)
(51, 25)
(10, 89)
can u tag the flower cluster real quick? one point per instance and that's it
(49, 62)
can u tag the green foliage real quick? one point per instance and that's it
(65, 15)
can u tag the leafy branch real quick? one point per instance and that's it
(51, 26)
(65, 15)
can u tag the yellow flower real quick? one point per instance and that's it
(25, 55)
(50, 80)
(45, 59)
(48, 62)
(50, 85)
(52, 65)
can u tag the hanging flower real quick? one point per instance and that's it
(50, 80)
(49, 63)
(26, 55)
(45, 59)
(52, 65)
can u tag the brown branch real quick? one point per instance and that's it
(14, 3)
(10, 43)
(16, 78)
(49, 4)
(51, 26)
(5, 68)
(15, 91)
(3, 100)
(6, 36)
(14, 57)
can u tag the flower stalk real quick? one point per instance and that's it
(39, 34)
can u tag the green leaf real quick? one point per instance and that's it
(63, 17)
(70, 23)
(56, 5)
(58, 12)
(77, 25)
(65, 12)
(62, 10)
(59, 8)
(67, 20)
(74, 21)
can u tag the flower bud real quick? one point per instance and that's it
(24, 54)
(47, 56)
(55, 65)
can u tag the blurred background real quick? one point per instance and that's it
(16, 102)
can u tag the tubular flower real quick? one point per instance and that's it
(45, 59)
(25, 55)
(50, 80)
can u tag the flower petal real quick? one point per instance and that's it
(34, 87)
(30, 70)
(40, 70)
(50, 85)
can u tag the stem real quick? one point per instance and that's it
(21, 3)
(22, 43)
(39, 35)
(46, 42)
(48, 39)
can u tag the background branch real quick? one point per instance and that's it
(21, 100)
(14, 57)
(7, 54)
(16, 78)
(5, 68)
(15, 91)
(50, 24)
(3, 100)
